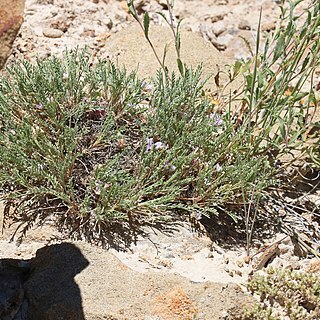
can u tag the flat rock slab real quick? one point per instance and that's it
(129, 48)
(80, 281)
(133, 295)
(11, 18)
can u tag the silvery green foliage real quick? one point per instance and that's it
(101, 152)
(95, 148)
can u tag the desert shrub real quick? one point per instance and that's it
(95, 148)
(92, 147)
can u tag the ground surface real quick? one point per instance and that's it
(51, 26)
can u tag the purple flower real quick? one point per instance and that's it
(170, 167)
(149, 144)
(159, 145)
(98, 186)
(217, 121)
(218, 167)
(39, 106)
(147, 86)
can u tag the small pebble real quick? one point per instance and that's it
(277, 263)
(219, 28)
(52, 33)
(238, 272)
(210, 255)
(246, 259)
(239, 263)
(216, 18)
(244, 25)
(109, 23)
(222, 2)
(268, 26)
(30, 12)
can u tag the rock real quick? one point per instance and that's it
(244, 25)
(216, 18)
(44, 2)
(222, 2)
(60, 24)
(239, 263)
(247, 259)
(268, 26)
(163, 4)
(219, 27)
(11, 18)
(108, 22)
(207, 32)
(277, 262)
(130, 48)
(88, 33)
(52, 33)
(284, 248)
(210, 255)
(140, 6)
(80, 281)
(238, 272)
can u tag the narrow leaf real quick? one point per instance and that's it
(278, 51)
(146, 23)
(282, 129)
(165, 51)
(178, 43)
(180, 66)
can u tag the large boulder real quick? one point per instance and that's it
(11, 18)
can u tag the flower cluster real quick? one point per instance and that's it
(160, 146)
(157, 145)
(217, 121)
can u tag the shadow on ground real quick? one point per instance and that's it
(230, 233)
(43, 287)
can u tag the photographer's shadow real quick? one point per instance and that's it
(50, 289)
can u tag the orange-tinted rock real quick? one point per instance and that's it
(11, 18)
